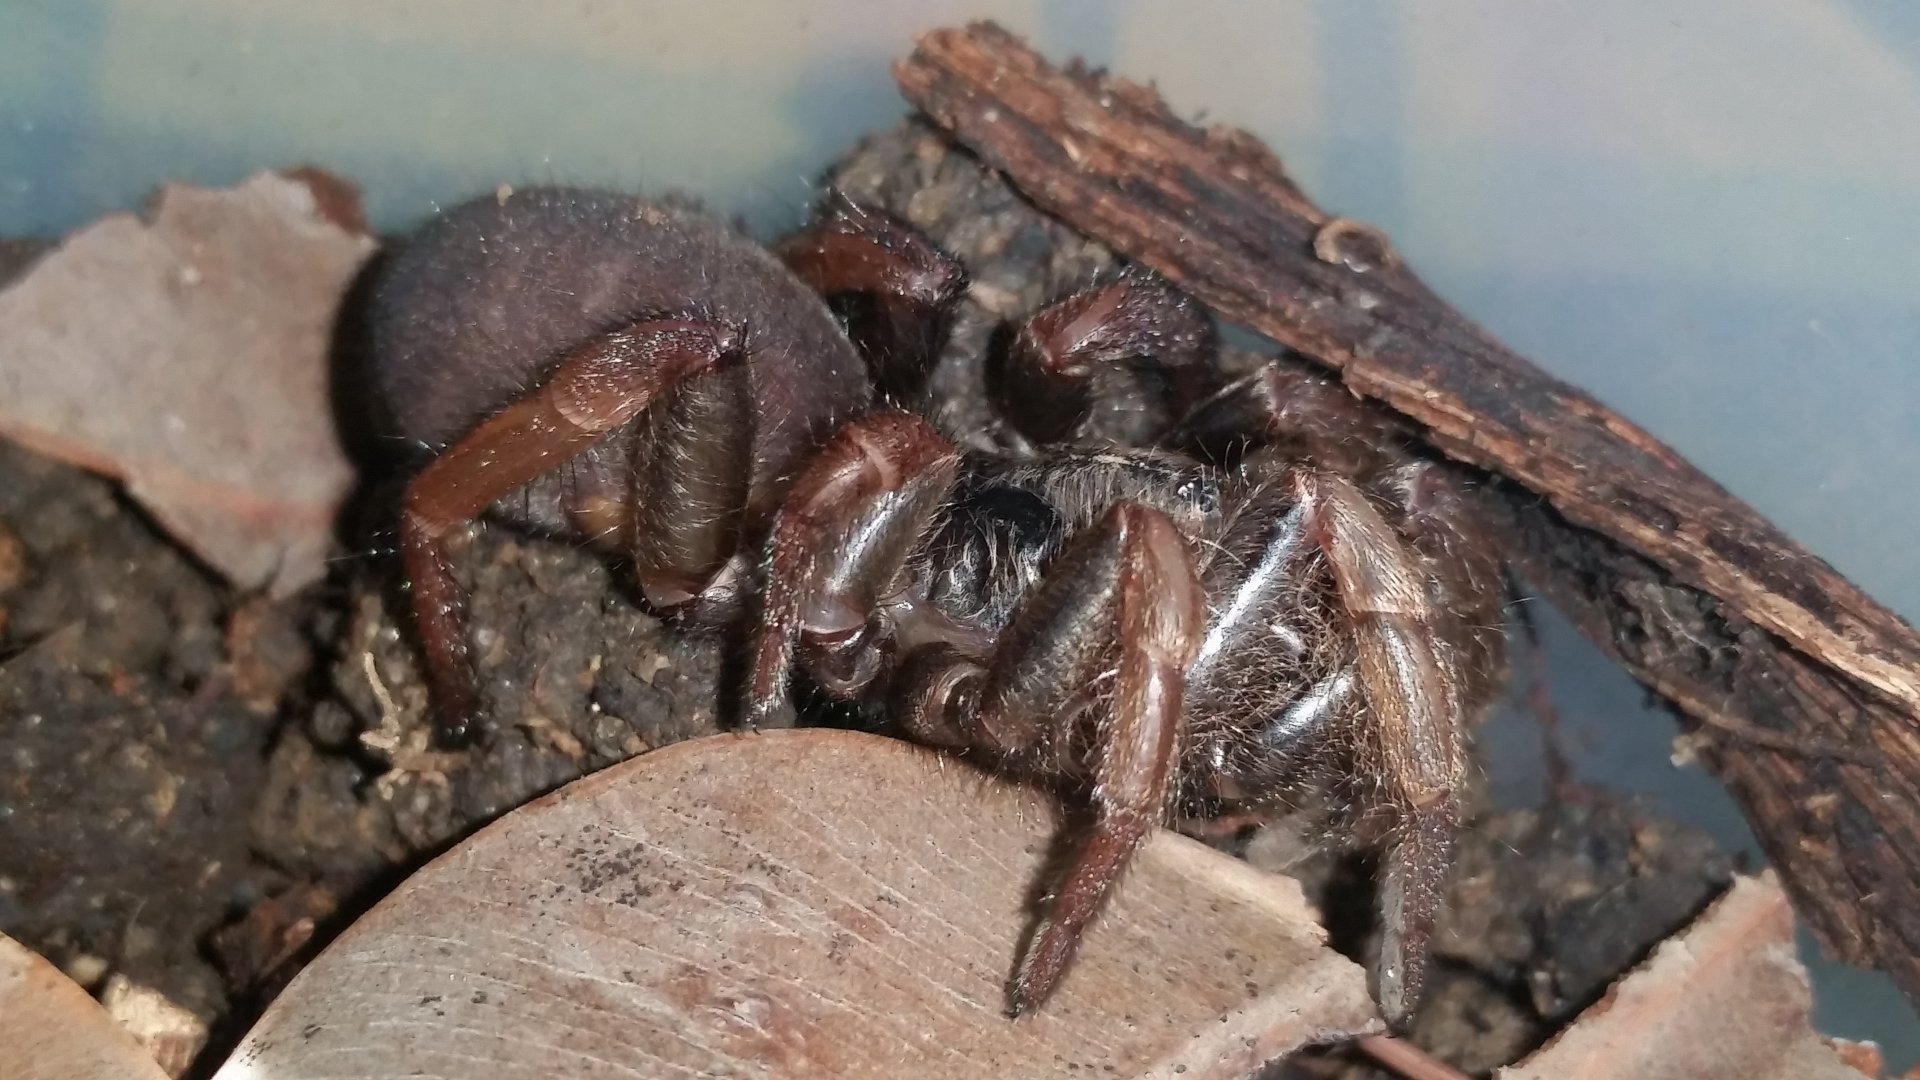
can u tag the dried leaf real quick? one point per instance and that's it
(1724, 1000)
(796, 904)
(188, 356)
(51, 1029)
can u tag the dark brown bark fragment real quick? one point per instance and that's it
(1809, 690)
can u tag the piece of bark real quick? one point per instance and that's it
(1725, 999)
(1810, 691)
(50, 1029)
(187, 355)
(801, 903)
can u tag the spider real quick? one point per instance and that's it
(1268, 597)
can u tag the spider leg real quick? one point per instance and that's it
(840, 546)
(591, 392)
(1044, 382)
(1411, 735)
(895, 289)
(690, 493)
(1272, 690)
(935, 696)
(1471, 585)
(1124, 599)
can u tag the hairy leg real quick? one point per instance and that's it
(1297, 411)
(840, 546)
(896, 290)
(1412, 735)
(1045, 381)
(689, 482)
(1123, 599)
(592, 392)
(1470, 586)
(1271, 686)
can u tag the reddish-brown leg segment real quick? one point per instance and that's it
(1412, 733)
(894, 288)
(1044, 382)
(591, 393)
(840, 546)
(1123, 600)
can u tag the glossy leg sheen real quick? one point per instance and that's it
(1123, 598)
(840, 546)
(689, 479)
(591, 393)
(1433, 580)
(1157, 618)
(1412, 739)
(1266, 667)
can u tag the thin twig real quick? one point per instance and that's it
(1407, 1059)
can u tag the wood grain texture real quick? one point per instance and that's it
(800, 904)
(1806, 691)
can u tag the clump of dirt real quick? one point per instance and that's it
(576, 674)
(176, 756)
(126, 756)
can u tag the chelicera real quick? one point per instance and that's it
(1267, 596)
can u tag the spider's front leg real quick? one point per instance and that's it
(1412, 733)
(895, 289)
(594, 391)
(839, 551)
(1124, 600)
(1045, 382)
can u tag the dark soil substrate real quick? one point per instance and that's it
(197, 787)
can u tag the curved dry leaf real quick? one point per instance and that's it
(51, 1029)
(188, 356)
(1725, 999)
(800, 904)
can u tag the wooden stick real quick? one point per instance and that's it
(1783, 662)
(1406, 1059)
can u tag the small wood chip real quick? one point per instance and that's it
(187, 354)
